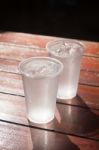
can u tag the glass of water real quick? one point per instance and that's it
(69, 52)
(40, 81)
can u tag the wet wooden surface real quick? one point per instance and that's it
(76, 123)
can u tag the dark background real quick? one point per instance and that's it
(65, 18)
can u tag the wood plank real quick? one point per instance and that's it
(89, 78)
(84, 144)
(92, 48)
(87, 97)
(78, 121)
(19, 52)
(68, 119)
(12, 84)
(90, 64)
(90, 95)
(25, 39)
(7, 65)
(13, 108)
(14, 137)
(74, 121)
(51, 141)
(55, 141)
(88, 127)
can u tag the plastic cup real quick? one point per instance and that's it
(40, 81)
(69, 52)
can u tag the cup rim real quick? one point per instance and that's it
(83, 47)
(40, 57)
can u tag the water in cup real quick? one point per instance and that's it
(69, 53)
(40, 79)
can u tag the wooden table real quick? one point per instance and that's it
(76, 123)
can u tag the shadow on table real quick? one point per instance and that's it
(68, 119)
(45, 140)
(78, 120)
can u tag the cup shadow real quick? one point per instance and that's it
(45, 140)
(71, 119)
(78, 120)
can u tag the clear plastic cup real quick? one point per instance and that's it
(69, 52)
(40, 82)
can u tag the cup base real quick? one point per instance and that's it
(68, 97)
(40, 122)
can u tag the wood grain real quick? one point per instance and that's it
(75, 118)
(13, 108)
(78, 121)
(16, 52)
(90, 64)
(19, 54)
(89, 96)
(68, 119)
(92, 48)
(25, 39)
(84, 144)
(12, 84)
(87, 75)
(74, 121)
(13, 137)
(7, 65)
(55, 141)
(89, 78)
(19, 138)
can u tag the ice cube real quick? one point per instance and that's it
(41, 68)
(62, 50)
(66, 48)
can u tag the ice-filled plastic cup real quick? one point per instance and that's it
(69, 52)
(40, 81)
